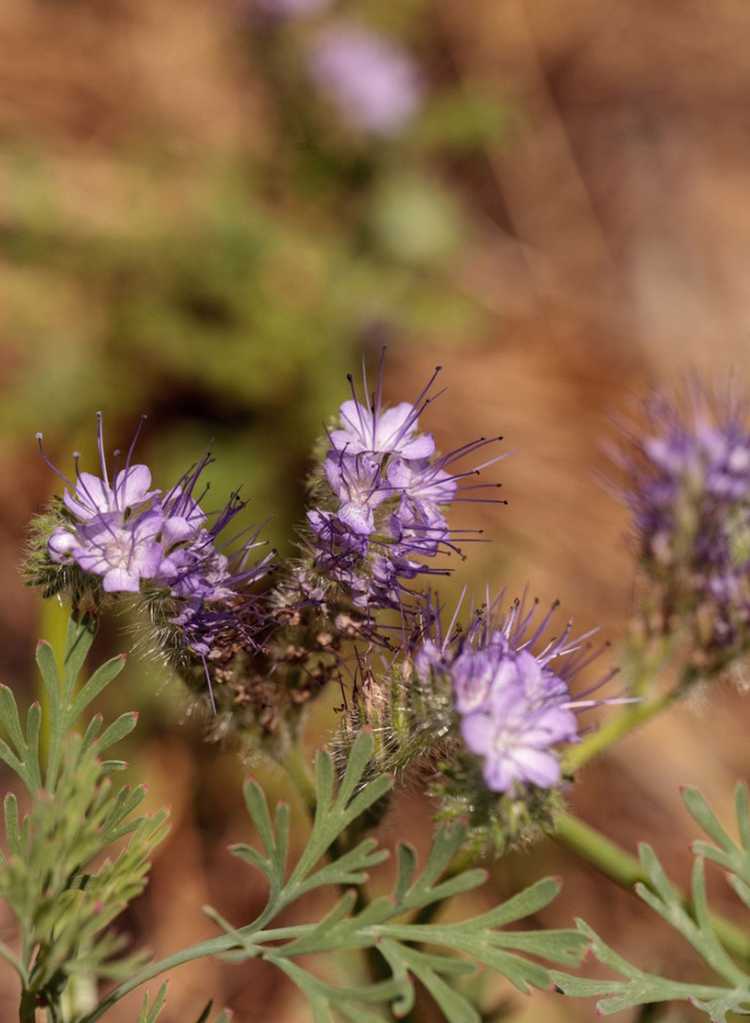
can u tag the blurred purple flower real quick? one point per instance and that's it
(688, 487)
(373, 83)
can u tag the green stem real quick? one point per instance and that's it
(211, 947)
(295, 766)
(214, 946)
(618, 727)
(27, 1011)
(625, 870)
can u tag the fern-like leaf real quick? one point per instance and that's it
(633, 986)
(454, 949)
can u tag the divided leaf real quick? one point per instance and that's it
(693, 921)
(64, 878)
(432, 953)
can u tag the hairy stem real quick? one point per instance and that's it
(624, 869)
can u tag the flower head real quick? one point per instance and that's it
(122, 554)
(373, 83)
(513, 700)
(382, 498)
(162, 545)
(688, 486)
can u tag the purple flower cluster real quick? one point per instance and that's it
(515, 705)
(135, 538)
(372, 82)
(385, 491)
(689, 491)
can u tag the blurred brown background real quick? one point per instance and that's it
(192, 225)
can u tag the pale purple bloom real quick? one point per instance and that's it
(515, 737)
(94, 497)
(62, 545)
(373, 83)
(385, 495)
(183, 516)
(113, 530)
(196, 571)
(421, 482)
(511, 692)
(357, 482)
(381, 431)
(122, 555)
(127, 534)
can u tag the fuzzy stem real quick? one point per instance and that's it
(622, 868)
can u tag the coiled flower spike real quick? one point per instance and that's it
(382, 496)
(688, 488)
(160, 545)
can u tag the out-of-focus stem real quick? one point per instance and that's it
(27, 1010)
(616, 728)
(629, 718)
(295, 766)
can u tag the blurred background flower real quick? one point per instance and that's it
(209, 214)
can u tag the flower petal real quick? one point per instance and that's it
(121, 580)
(423, 446)
(478, 731)
(131, 486)
(357, 517)
(538, 766)
(92, 495)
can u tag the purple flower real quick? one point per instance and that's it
(165, 547)
(381, 431)
(122, 555)
(128, 534)
(358, 483)
(382, 500)
(373, 83)
(513, 701)
(421, 482)
(92, 498)
(515, 737)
